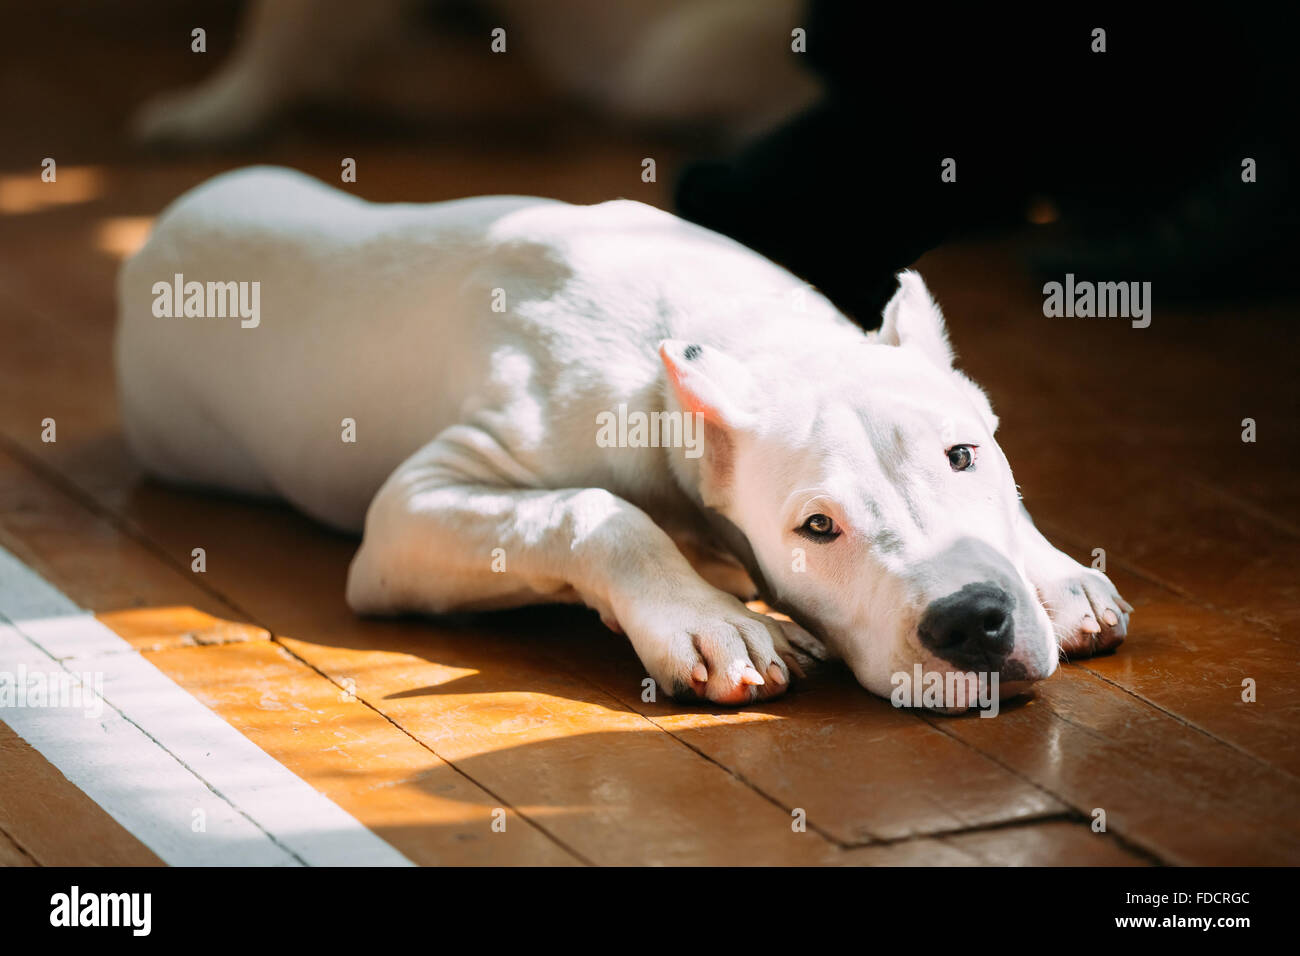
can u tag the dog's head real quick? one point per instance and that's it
(878, 508)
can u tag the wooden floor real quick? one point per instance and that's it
(1122, 439)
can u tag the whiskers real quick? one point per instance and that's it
(1059, 631)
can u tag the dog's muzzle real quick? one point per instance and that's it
(973, 629)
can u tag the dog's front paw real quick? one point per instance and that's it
(1087, 612)
(714, 648)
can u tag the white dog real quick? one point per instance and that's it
(723, 64)
(525, 401)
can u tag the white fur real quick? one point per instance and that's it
(476, 429)
(724, 64)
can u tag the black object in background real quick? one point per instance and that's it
(1140, 147)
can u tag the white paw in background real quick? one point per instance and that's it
(220, 112)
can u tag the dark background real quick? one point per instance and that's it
(1128, 160)
(1129, 440)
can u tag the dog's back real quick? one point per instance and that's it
(405, 319)
(347, 326)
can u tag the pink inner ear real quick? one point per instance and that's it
(690, 401)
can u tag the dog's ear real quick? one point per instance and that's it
(912, 319)
(709, 382)
(721, 392)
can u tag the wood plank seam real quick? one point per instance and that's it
(1087, 667)
(1072, 816)
(127, 529)
(815, 828)
(1076, 818)
(62, 665)
(17, 844)
(1179, 592)
(1187, 723)
(71, 490)
(1246, 506)
(1129, 843)
(573, 851)
(1064, 537)
(874, 840)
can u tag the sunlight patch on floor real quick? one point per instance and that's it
(22, 193)
(122, 236)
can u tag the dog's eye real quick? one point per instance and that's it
(820, 528)
(961, 457)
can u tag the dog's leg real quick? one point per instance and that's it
(1085, 608)
(289, 50)
(437, 540)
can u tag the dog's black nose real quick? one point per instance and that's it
(972, 628)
